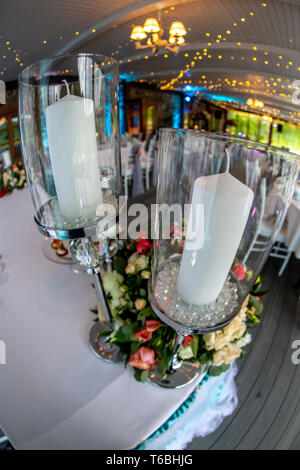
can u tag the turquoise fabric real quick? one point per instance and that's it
(180, 411)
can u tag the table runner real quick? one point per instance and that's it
(52, 380)
(211, 402)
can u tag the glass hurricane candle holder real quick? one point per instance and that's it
(68, 108)
(214, 229)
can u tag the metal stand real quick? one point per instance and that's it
(83, 252)
(106, 351)
(179, 374)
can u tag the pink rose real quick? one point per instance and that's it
(143, 335)
(140, 304)
(188, 340)
(143, 246)
(176, 230)
(239, 272)
(152, 325)
(142, 236)
(143, 358)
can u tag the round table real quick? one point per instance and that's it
(54, 392)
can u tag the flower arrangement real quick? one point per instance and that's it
(13, 178)
(145, 341)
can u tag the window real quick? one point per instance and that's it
(9, 131)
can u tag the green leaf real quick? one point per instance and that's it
(261, 293)
(194, 345)
(252, 321)
(146, 312)
(140, 375)
(105, 333)
(144, 375)
(161, 367)
(119, 264)
(260, 279)
(214, 371)
(204, 358)
(143, 293)
(134, 346)
(156, 342)
(126, 333)
(258, 305)
(243, 354)
(137, 374)
(167, 359)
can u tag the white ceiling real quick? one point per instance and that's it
(37, 29)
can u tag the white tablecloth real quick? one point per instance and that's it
(54, 393)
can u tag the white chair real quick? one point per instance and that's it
(151, 164)
(261, 239)
(144, 162)
(252, 173)
(137, 182)
(254, 245)
(127, 167)
(279, 250)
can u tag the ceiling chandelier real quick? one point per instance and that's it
(152, 32)
(255, 103)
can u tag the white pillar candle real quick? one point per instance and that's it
(71, 131)
(227, 203)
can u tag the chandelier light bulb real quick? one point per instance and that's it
(138, 33)
(180, 40)
(258, 104)
(177, 29)
(155, 37)
(151, 26)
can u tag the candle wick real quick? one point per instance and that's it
(227, 161)
(67, 85)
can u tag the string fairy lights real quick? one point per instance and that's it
(279, 91)
(216, 48)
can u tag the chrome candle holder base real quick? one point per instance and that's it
(186, 373)
(180, 373)
(98, 344)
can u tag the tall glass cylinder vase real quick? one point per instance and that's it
(69, 124)
(70, 139)
(219, 209)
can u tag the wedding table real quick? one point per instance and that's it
(54, 392)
